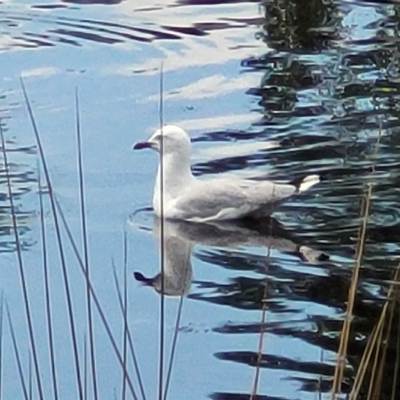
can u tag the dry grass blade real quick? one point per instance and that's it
(377, 348)
(379, 373)
(85, 246)
(21, 266)
(129, 337)
(374, 343)
(47, 289)
(344, 338)
(96, 301)
(59, 242)
(364, 363)
(162, 250)
(397, 362)
(16, 353)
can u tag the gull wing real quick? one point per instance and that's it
(222, 199)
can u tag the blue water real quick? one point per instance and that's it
(320, 81)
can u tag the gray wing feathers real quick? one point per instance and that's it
(269, 192)
(209, 200)
(223, 199)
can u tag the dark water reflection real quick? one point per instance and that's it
(328, 93)
(321, 76)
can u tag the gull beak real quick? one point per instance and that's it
(142, 145)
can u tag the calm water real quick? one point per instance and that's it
(264, 88)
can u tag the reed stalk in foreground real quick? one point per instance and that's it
(56, 214)
(71, 317)
(345, 333)
(262, 328)
(344, 337)
(17, 354)
(125, 314)
(375, 344)
(85, 246)
(88, 362)
(162, 249)
(173, 346)
(21, 267)
(96, 301)
(381, 351)
(85, 368)
(123, 308)
(260, 346)
(30, 377)
(1, 342)
(397, 362)
(46, 283)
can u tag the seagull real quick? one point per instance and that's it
(188, 198)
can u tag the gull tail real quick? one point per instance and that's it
(308, 182)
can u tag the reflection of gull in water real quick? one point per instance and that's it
(177, 265)
(200, 200)
(181, 236)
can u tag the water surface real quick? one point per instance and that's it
(264, 89)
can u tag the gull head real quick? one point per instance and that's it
(170, 138)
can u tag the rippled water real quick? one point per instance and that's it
(274, 88)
